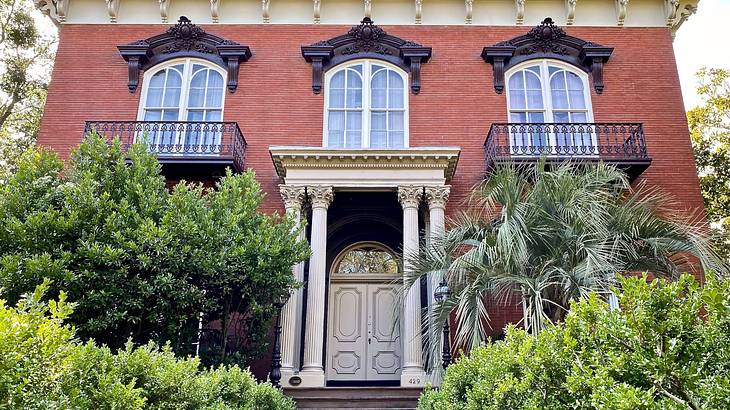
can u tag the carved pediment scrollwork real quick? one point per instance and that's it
(366, 40)
(184, 39)
(547, 40)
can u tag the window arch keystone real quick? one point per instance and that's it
(547, 41)
(184, 39)
(366, 40)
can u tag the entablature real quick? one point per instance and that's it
(647, 13)
(365, 168)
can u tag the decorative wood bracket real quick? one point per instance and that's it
(184, 39)
(547, 41)
(366, 41)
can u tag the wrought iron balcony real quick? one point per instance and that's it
(184, 148)
(620, 144)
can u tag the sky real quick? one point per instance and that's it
(691, 50)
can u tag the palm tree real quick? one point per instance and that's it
(544, 238)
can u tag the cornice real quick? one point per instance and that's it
(286, 157)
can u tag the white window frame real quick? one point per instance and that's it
(547, 102)
(546, 90)
(366, 109)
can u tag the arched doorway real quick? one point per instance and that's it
(364, 341)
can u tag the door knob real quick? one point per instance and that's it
(368, 340)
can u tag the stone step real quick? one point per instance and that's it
(355, 397)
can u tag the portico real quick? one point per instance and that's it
(316, 176)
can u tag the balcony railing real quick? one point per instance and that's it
(179, 141)
(619, 143)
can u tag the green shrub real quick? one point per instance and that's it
(667, 348)
(43, 366)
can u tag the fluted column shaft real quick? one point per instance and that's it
(412, 375)
(320, 197)
(436, 198)
(293, 197)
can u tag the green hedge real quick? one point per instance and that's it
(667, 348)
(43, 366)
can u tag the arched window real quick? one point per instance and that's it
(550, 92)
(183, 90)
(366, 258)
(366, 106)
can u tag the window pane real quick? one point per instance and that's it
(195, 116)
(516, 98)
(378, 86)
(561, 117)
(338, 80)
(534, 99)
(213, 115)
(397, 139)
(578, 117)
(158, 80)
(536, 117)
(534, 69)
(170, 115)
(172, 97)
(215, 90)
(378, 139)
(154, 96)
(532, 81)
(354, 127)
(516, 81)
(152, 115)
(577, 99)
(354, 90)
(395, 90)
(199, 79)
(337, 98)
(395, 121)
(174, 78)
(196, 97)
(518, 117)
(377, 120)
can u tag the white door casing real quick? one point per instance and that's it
(364, 342)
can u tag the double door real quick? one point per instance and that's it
(363, 333)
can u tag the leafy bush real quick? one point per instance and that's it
(667, 348)
(43, 366)
(142, 261)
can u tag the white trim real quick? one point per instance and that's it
(545, 82)
(366, 108)
(547, 101)
(184, 89)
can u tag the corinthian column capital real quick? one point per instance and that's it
(320, 195)
(293, 196)
(437, 196)
(409, 196)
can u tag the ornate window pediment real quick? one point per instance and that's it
(366, 41)
(547, 41)
(184, 39)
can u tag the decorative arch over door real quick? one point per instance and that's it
(547, 41)
(184, 39)
(366, 41)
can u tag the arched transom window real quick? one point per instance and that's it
(183, 90)
(550, 92)
(366, 106)
(366, 258)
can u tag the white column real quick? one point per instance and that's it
(293, 197)
(312, 369)
(436, 198)
(413, 374)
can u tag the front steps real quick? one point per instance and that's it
(355, 397)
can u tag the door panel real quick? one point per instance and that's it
(384, 351)
(347, 332)
(364, 342)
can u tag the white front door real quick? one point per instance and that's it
(364, 342)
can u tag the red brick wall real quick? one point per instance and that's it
(274, 104)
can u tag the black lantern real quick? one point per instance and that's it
(275, 375)
(441, 294)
